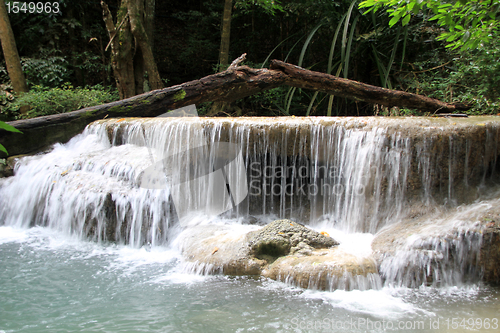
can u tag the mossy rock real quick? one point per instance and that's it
(280, 237)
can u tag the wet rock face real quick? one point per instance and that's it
(442, 248)
(282, 237)
(490, 249)
(7, 166)
(5, 170)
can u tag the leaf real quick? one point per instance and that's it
(416, 9)
(9, 128)
(393, 21)
(2, 148)
(406, 19)
(451, 38)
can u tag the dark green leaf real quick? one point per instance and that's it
(8, 127)
(2, 148)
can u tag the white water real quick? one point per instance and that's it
(89, 189)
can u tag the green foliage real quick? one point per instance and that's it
(7, 127)
(268, 102)
(471, 77)
(470, 23)
(48, 72)
(45, 101)
(91, 65)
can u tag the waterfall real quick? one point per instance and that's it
(357, 175)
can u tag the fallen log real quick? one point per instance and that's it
(358, 91)
(233, 84)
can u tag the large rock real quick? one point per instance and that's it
(219, 249)
(325, 269)
(282, 237)
(283, 250)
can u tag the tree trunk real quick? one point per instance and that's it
(225, 34)
(234, 83)
(223, 53)
(10, 53)
(131, 53)
(121, 49)
(149, 20)
(138, 28)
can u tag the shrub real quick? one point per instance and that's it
(45, 101)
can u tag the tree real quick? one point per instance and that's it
(226, 33)
(469, 22)
(131, 52)
(10, 52)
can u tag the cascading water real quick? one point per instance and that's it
(353, 177)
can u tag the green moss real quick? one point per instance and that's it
(116, 109)
(122, 11)
(180, 95)
(120, 109)
(89, 114)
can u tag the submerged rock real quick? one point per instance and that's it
(283, 250)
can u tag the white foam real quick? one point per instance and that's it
(378, 303)
(181, 278)
(11, 235)
(358, 244)
(144, 256)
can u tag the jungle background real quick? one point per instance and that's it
(67, 57)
